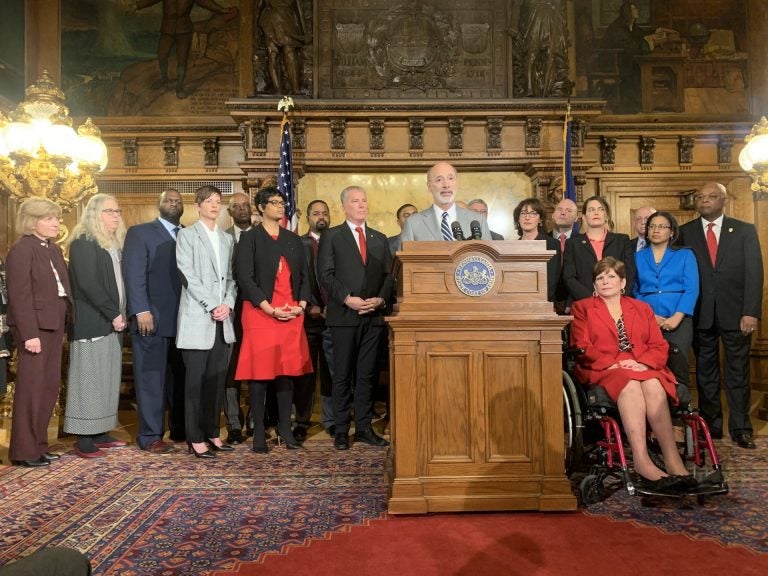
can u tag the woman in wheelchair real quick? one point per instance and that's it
(626, 354)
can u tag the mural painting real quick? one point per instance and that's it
(650, 57)
(149, 57)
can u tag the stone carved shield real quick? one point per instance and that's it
(474, 37)
(413, 46)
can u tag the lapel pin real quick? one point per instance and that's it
(730, 229)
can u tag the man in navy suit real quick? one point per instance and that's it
(730, 303)
(353, 264)
(153, 289)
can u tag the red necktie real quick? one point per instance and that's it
(712, 243)
(361, 237)
(562, 245)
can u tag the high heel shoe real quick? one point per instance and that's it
(217, 448)
(293, 445)
(206, 454)
(260, 449)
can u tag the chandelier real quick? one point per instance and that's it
(42, 155)
(754, 156)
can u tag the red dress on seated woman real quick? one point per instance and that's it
(594, 330)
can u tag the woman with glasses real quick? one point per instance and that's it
(273, 278)
(529, 220)
(583, 251)
(667, 279)
(95, 349)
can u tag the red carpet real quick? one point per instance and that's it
(510, 544)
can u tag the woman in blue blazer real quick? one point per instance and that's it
(667, 279)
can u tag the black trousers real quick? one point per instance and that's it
(355, 353)
(283, 392)
(682, 338)
(304, 386)
(204, 390)
(706, 346)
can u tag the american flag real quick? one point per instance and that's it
(569, 184)
(285, 178)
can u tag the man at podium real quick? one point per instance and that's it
(444, 220)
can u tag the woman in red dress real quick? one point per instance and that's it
(626, 354)
(271, 272)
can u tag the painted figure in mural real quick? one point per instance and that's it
(539, 30)
(282, 23)
(176, 30)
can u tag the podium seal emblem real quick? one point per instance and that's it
(475, 276)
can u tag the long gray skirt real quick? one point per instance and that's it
(93, 386)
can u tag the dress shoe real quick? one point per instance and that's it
(219, 448)
(32, 463)
(111, 444)
(248, 432)
(744, 440)
(260, 449)
(95, 454)
(331, 430)
(370, 437)
(300, 433)
(159, 447)
(672, 484)
(341, 441)
(716, 433)
(207, 454)
(235, 437)
(50, 456)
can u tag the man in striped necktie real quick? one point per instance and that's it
(435, 222)
(639, 219)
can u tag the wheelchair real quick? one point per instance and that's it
(593, 441)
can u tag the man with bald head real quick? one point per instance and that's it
(639, 219)
(240, 210)
(153, 290)
(435, 222)
(730, 302)
(565, 215)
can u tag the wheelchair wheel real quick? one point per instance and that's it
(591, 490)
(573, 425)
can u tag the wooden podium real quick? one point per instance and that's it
(475, 380)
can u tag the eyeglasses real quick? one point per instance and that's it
(112, 211)
(658, 226)
(276, 203)
(531, 214)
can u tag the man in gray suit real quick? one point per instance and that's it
(434, 223)
(240, 211)
(481, 207)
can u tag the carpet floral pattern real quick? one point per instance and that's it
(738, 518)
(134, 514)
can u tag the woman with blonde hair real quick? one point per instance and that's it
(38, 298)
(95, 351)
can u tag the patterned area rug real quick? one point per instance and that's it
(737, 518)
(136, 514)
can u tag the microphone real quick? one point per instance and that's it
(474, 226)
(458, 233)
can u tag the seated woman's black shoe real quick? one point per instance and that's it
(669, 484)
(222, 448)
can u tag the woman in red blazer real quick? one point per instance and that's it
(38, 298)
(625, 353)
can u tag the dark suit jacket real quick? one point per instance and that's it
(342, 273)
(256, 261)
(33, 296)
(553, 266)
(314, 325)
(152, 281)
(580, 258)
(734, 286)
(94, 289)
